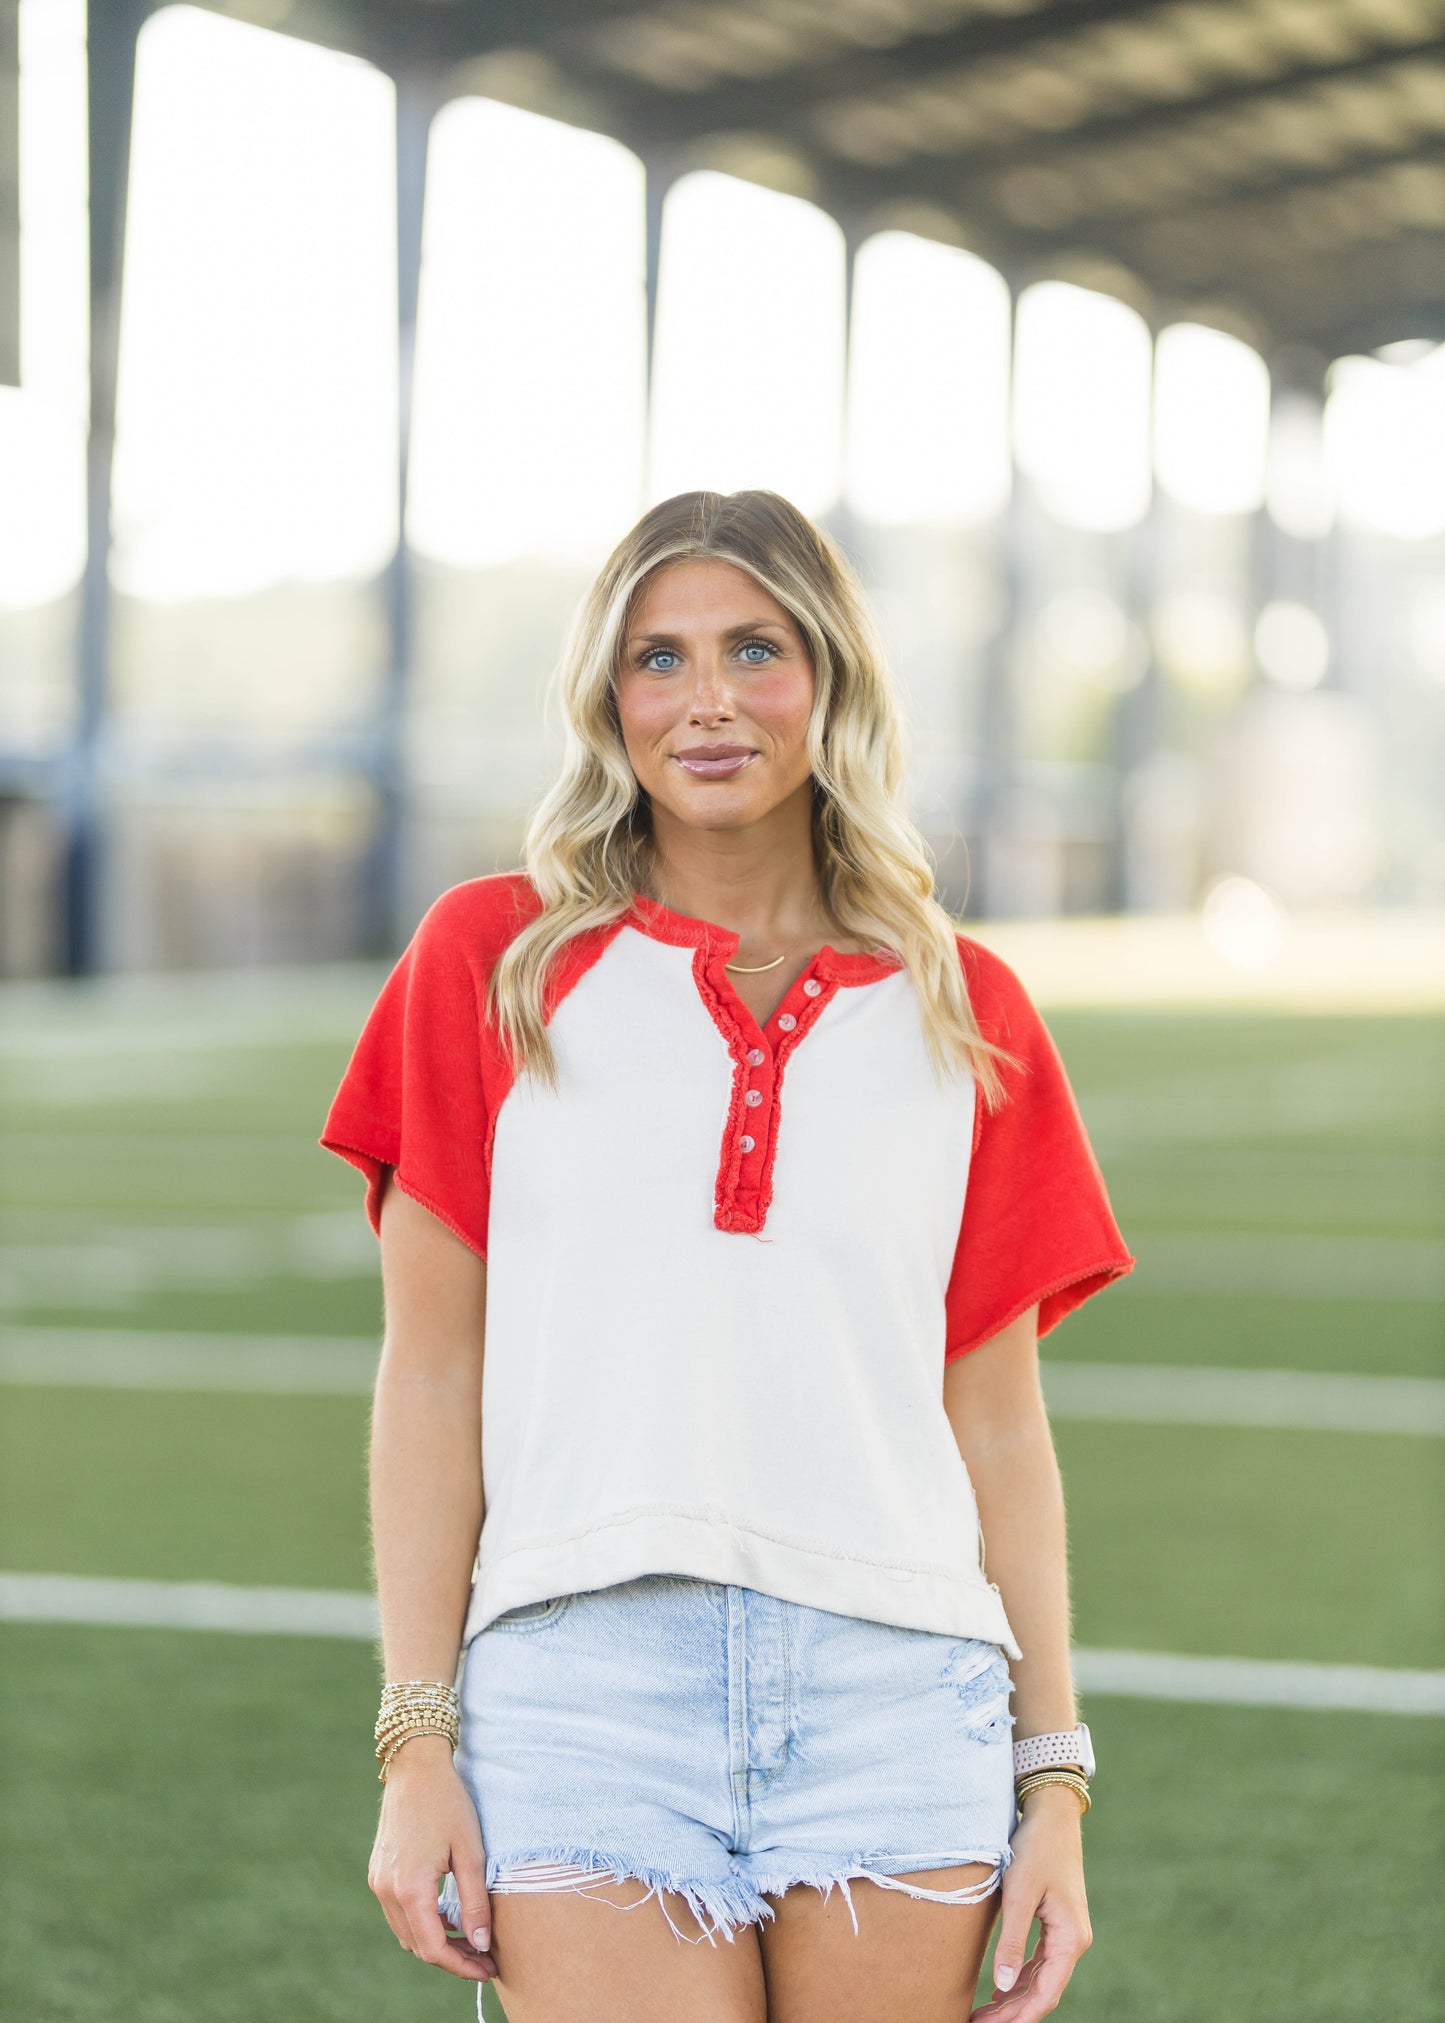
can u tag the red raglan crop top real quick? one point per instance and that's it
(727, 1262)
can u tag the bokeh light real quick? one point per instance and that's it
(748, 371)
(1081, 404)
(1299, 487)
(42, 421)
(1088, 634)
(928, 435)
(1426, 632)
(1211, 419)
(527, 440)
(257, 397)
(1292, 644)
(1385, 443)
(1203, 643)
(1243, 923)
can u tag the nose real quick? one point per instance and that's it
(711, 700)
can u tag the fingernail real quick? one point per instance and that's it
(482, 1938)
(1004, 1976)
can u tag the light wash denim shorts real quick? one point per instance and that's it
(722, 1744)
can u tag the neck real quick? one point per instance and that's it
(760, 882)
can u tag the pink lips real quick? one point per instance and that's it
(714, 762)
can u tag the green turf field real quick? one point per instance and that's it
(188, 1842)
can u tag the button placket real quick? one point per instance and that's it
(753, 1097)
(744, 1190)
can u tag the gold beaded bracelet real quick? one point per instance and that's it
(1074, 1780)
(411, 1707)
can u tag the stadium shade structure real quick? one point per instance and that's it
(1273, 169)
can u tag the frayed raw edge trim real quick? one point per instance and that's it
(735, 1902)
(727, 1904)
(967, 1893)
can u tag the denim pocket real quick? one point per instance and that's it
(531, 1615)
(979, 1674)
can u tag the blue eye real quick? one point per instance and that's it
(664, 659)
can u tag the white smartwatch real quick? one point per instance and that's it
(1046, 1752)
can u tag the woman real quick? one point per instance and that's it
(761, 1183)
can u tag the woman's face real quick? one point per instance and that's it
(714, 690)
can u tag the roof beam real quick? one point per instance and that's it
(965, 184)
(788, 104)
(1239, 199)
(399, 34)
(913, 59)
(1318, 216)
(1181, 116)
(1404, 266)
(1344, 302)
(1076, 202)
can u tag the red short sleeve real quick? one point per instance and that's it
(426, 1076)
(1037, 1226)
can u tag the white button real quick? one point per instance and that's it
(746, 1143)
(756, 1056)
(787, 1022)
(753, 1098)
(812, 988)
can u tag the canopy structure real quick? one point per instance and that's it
(1275, 167)
(1278, 165)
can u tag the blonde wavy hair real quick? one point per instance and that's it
(588, 848)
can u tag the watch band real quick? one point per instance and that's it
(1044, 1752)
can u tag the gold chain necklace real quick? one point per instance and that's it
(756, 968)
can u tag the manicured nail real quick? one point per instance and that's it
(482, 1938)
(1004, 1976)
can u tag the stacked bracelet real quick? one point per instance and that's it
(415, 1707)
(1037, 1779)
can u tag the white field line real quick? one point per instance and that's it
(1259, 1682)
(345, 1366)
(125, 1359)
(111, 1265)
(1246, 1264)
(1293, 1400)
(186, 1605)
(321, 1612)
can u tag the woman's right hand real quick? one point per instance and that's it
(429, 1828)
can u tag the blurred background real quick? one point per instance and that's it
(339, 342)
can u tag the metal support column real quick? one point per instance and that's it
(840, 519)
(657, 180)
(384, 922)
(110, 84)
(989, 815)
(660, 172)
(1137, 734)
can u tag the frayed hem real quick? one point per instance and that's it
(735, 1901)
(828, 1881)
(719, 1907)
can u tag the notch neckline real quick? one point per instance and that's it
(685, 930)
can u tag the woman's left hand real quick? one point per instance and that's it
(1045, 1880)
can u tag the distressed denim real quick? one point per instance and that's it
(722, 1744)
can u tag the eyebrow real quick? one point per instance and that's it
(732, 632)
